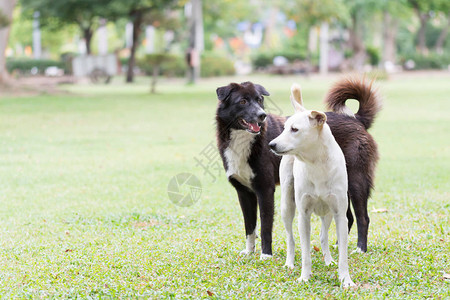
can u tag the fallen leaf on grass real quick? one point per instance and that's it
(446, 275)
(144, 225)
(317, 249)
(210, 293)
(379, 210)
(68, 250)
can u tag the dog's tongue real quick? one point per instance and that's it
(254, 127)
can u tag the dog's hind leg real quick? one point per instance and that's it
(326, 221)
(287, 215)
(249, 207)
(288, 205)
(359, 194)
(349, 214)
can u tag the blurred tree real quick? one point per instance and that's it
(54, 40)
(360, 12)
(84, 13)
(439, 46)
(139, 12)
(315, 13)
(393, 12)
(425, 10)
(221, 18)
(6, 12)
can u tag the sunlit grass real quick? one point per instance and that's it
(85, 211)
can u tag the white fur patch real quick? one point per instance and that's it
(250, 244)
(237, 154)
(345, 110)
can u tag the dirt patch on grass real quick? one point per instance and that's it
(34, 85)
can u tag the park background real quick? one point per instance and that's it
(100, 108)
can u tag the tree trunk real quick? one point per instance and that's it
(137, 22)
(390, 27)
(196, 41)
(442, 36)
(324, 48)
(155, 75)
(270, 39)
(357, 44)
(7, 8)
(87, 32)
(422, 42)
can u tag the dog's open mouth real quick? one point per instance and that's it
(251, 127)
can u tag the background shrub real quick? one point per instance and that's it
(429, 61)
(24, 65)
(264, 59)
(216, 66)
(169, 65)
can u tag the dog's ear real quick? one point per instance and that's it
(224, 91)
(296, 98)
(318, 118)
(261, 90)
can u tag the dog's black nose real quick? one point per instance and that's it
(262, 116)
(272, 145)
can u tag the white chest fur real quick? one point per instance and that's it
(237, 154)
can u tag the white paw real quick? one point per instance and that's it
(358, 250)
(329, 261)
(265, 256)
(289, 266)
(347, 282)
(304, 278)
(245, 252)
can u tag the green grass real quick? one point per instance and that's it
(85, 211)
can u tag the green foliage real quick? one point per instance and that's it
(212, 65)
(24, 65)
(314, 12)
(264, 59)
(431, 60)
(374, 55)
(169, 65)
(54, 13)
(131, 8)
(431, 35)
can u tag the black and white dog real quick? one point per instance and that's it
(244, 132)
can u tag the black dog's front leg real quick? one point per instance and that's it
(266, 210)
(249, 207)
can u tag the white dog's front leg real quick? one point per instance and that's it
(288, 214)
(342, 229)
(304, 228)
(288, 205)
(326, 221)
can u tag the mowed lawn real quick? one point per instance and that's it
(85, 210)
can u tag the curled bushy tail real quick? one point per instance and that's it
(360, 90)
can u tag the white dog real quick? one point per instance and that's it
(313, 168)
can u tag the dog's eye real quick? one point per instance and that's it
(243, 101)
(293, 129)
(260, 101)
